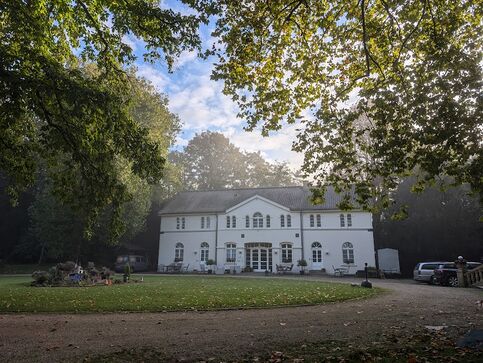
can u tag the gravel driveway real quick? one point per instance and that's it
(192, 335)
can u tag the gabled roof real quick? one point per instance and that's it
(218, 201)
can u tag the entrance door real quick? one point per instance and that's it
(316, 256)
(259, 256)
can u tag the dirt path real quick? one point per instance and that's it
(192, 335)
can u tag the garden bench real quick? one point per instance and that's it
(281, 269)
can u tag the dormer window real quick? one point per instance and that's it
(257, 220)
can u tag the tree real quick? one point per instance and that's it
(413, 68)
(210, 161)
(80, 123)
(440, 226)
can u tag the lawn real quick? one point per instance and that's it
(171, 293)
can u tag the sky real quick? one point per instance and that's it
(201, 105)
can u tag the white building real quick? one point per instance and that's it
(262, 228)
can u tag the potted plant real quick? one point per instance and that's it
(210, 263)
(302, 264)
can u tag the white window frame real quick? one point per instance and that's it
(208, 222)
(282, 221)
(267, 224)
(178, 252)
(204, 251)
(342, 221)
(230, 252)
(183, 223)
(312, 221)
(349, 220)
(257, 220)
(347, 253)
(289, 221)
(177, 223)
(287, 252)
(247, 221)
(202, 222)
(319, 220)
(228, 221)
(233, 222)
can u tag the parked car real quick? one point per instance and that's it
(424, 271)
(138, 263)
(446, 274)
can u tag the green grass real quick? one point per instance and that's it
(171, 293)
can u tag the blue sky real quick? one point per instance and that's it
(201, 105)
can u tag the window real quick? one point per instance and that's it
(208, 222)
(349, 220)
(233, 222)
(316, 252)
(268, 221)
(204, 251)
(230, 252)
(183, 224)
(282, 221)
(289, 221)
(177, 222)
(311, 220)
(202, 222)
(178, 252)
(347, 252)
(342, 220)
(227, 221)
(286, 252)
(247, 222)
(319, 221)
(257, 220)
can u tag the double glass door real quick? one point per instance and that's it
(259, 256)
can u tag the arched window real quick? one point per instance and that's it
(311, 220)
(349, 220)
(227, 221)
(348, 252)
(230, 252)
(316, 252)
(247, 222)
(286, 252)
(319, 221)
(178, 252)
(342, 220)
(289, 220)
(282, 221)
(204, 251)
(268, 221)
(257, 220)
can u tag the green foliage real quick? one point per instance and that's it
(210, 262)
(81, 123)
(171, 293)
(415, 67)
(210, 161)
(302, 263)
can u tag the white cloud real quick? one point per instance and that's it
(157, 78)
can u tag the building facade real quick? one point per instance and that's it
(261, 228)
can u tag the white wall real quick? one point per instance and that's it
(330, 235)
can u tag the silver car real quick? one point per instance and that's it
(424, 271)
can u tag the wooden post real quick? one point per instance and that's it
(461, 276)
